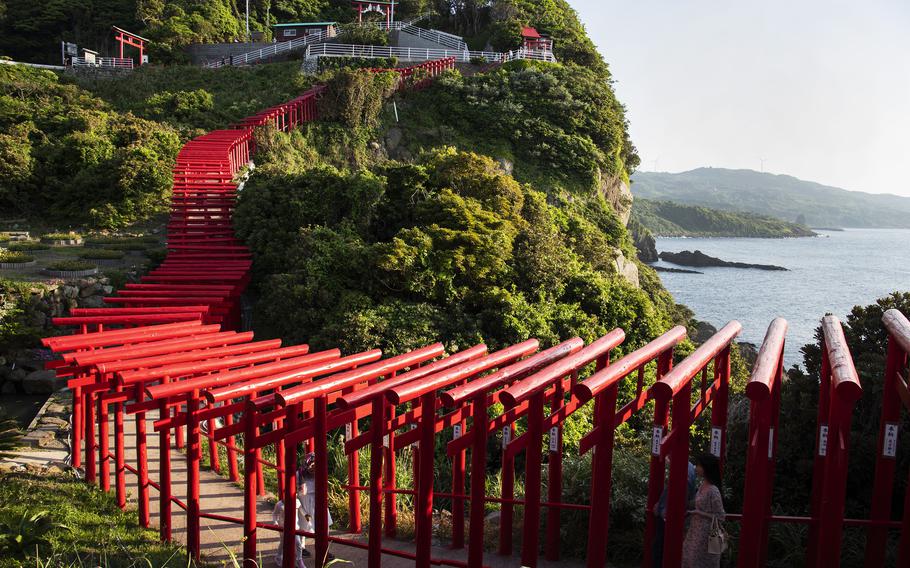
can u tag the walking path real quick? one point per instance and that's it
(219, 540)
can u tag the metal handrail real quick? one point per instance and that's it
(114, 62)
(274, 49)
(419, 54)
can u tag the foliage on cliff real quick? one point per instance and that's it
(195, 100)
(561, 125)
(448, 247)
(70, 158)
(669, 219)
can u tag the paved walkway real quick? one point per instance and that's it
(221, 496)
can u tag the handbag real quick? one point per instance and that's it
(717, 539)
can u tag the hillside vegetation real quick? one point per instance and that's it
(70, 158)
(780, 196)
(668, 219)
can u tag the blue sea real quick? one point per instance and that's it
(827, 274)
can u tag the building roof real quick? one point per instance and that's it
(383, 2)
(529, 32)
(298, 24)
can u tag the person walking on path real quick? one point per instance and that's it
(708, 510)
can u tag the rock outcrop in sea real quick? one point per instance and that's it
(699, 259)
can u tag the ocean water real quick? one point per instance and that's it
(827, 274)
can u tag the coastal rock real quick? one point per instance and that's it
(40, 382)
(701, 331)
(700, 260)
(618, 194)
(749, 352)
(677, 270)
(627, 269)
(644, 242)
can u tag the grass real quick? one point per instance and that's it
(97, 532)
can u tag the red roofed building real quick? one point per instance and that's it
(533, 41)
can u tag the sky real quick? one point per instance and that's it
(817, 89)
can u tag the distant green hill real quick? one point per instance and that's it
(780, 196)
(668, 219)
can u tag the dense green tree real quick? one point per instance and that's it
(67, 157)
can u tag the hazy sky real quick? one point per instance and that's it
(818, 88)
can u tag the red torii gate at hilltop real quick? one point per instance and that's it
(124, 38)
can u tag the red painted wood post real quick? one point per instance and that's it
(214, 461)
(164, 458)
(821, 453)
(354, 522)
(379, 412)
(142, 465)
(249, 485)
(845, 392)
(279, 463)
(91, 446)
(533, 459)
(290, 492)
(763, 391)
(458, 480)
(679, 476)
(391, 504)
(424, 502)
(104, 445)
(719, 407)
(119, 449)
(886, 462)
(193, 456)
(554, 473)
(78, 425)
(507, 509)
(602, 480)
(232, 451)
(655, 477)
(322, 482)
(478, 478)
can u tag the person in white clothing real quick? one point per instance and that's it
(306, 481)
(278, 519)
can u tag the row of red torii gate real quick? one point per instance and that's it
(168, 348)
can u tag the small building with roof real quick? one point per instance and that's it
(296, 30)
(532, 40)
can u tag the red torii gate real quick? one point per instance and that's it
(124, 38)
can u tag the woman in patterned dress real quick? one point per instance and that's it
(708, 506)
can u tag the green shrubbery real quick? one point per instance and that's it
(362, 35)
(67, 157)
(28, 246)
(194, 99)
(449, 248)
(15, 257)
(561, 125)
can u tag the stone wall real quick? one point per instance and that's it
(30, 307)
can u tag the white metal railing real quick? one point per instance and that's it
(442, 38)
(420, 54)
(274, 49)
(110, 62)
